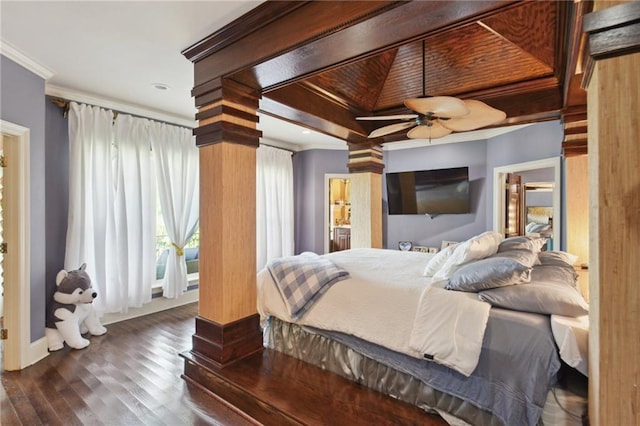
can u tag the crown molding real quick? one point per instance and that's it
(24, 60)
(331, 145)
(339, 146)
(119, 106)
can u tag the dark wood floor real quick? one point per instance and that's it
(132, 376)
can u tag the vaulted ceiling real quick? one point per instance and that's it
(350, 59)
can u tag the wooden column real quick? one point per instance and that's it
(365, 165)
(227, 326)
(614, 175)
(577, 211)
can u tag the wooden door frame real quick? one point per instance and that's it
(499, 202)
(17, 310)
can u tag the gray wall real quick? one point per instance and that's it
(423, 230)
(22, 102)
(309, 168)
(538, 175)
(57, 188)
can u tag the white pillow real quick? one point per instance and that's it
(474, 248)
(436, 262)
(481, 246)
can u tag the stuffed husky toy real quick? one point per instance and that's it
(71, 313)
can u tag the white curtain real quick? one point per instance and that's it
(274, 204)
(91, 230)
(177, 167)
(135, 200)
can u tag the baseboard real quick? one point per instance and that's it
(38, 350)
(156, 305)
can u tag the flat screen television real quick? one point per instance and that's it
(438, 191)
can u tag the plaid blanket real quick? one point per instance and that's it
(302, 279)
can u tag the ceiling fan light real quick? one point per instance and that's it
(440, 106)
(433, 131)
(480, 115)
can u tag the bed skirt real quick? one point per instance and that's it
(304, 344)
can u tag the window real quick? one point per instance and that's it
(163, 244)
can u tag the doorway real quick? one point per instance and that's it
(337, 212)
(2, 250)
(549, 188)
(16, 348)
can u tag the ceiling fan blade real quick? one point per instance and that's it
(392, 128)
(388, 117)
(481, 115)
(440, 106)
(436, 130)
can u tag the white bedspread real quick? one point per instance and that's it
(449, 328)
(377, 303)
(572, 337)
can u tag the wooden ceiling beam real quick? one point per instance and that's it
(304, 41)
(296, 104)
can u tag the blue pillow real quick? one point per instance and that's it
(489, 273)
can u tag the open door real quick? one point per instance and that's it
(513, 198)
(339, 214)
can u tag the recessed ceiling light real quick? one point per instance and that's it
(306, 132)
(161, 86)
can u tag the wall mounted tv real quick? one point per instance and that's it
(438, 191)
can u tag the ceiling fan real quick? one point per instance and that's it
(437, 116)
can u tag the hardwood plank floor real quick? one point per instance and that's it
(132, 376)
(129, 376)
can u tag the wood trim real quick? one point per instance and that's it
(366, 167)
(227, 113)
(252, 21)
(575, 131)
(224, 344)
(611, 32)
(345, 128)
(226, 109)
(228, 90)
(614, 31)
(365, 159)
(222, 131)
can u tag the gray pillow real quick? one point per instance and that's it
(556, 258)
(542, 297)
(533, 244)
(527, 257)
(487, 273)
(556, 273)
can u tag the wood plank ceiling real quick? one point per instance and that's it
(520, 57)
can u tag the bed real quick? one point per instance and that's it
(390, 320)
(539, 221)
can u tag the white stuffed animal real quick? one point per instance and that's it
(71, 313)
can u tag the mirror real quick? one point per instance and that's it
(540, 202)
